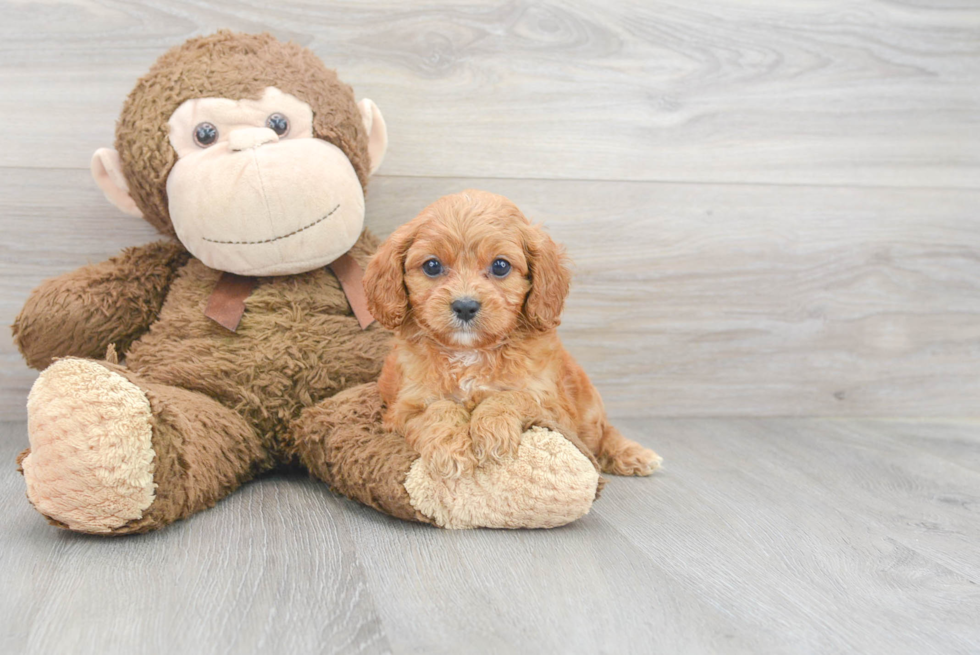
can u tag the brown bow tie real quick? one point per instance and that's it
(227, 302)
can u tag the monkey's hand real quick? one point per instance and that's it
(81, 313)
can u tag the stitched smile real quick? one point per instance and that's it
(305, 227)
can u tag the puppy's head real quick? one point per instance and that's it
(469, 271)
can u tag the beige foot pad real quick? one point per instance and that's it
(550, 483)
(91, 460)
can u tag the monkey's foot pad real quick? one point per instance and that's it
(91, 460)
(549, 483)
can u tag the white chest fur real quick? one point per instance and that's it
(472, 373)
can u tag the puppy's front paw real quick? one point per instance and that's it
(495, 436)
(448, 453)
(631, 459)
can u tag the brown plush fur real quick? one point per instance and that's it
(341, 440)
(228, 405)
(113, 302)
(463, 393)
(227, 65)
(298, 343)
(193, 473)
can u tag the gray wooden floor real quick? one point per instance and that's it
(760, 536)
(774, 211)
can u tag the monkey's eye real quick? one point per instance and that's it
(500, 268)
(205, 134)
(432, 268)
(278, 124)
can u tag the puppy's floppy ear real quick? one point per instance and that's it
(550, 278)
(384, 279)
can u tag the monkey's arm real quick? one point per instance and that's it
(80, 313)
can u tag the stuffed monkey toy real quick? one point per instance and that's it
(176, 371)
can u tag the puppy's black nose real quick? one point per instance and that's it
(465, 309)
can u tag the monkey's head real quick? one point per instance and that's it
(249, 151)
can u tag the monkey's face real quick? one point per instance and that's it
(254, 193)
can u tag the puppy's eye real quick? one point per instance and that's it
(432, 268)
(205, 134)
(278, 124)
(500, 268)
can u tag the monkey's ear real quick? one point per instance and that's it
(374, 123)
(108, 174)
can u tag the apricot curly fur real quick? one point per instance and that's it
(462, 393)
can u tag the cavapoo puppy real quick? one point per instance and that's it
(474, 293)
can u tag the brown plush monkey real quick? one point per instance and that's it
(243, 335)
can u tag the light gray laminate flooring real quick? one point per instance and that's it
(759, 536)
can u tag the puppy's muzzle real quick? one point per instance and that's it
(466, 309)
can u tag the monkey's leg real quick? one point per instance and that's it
(341, 441)
(548, 483)
(113, 453)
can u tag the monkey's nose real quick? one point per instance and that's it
(465, 309)
(251, 137)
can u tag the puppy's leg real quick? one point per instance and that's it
(616, 454)
(498, 422)
(620, 456)
(439, 434)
